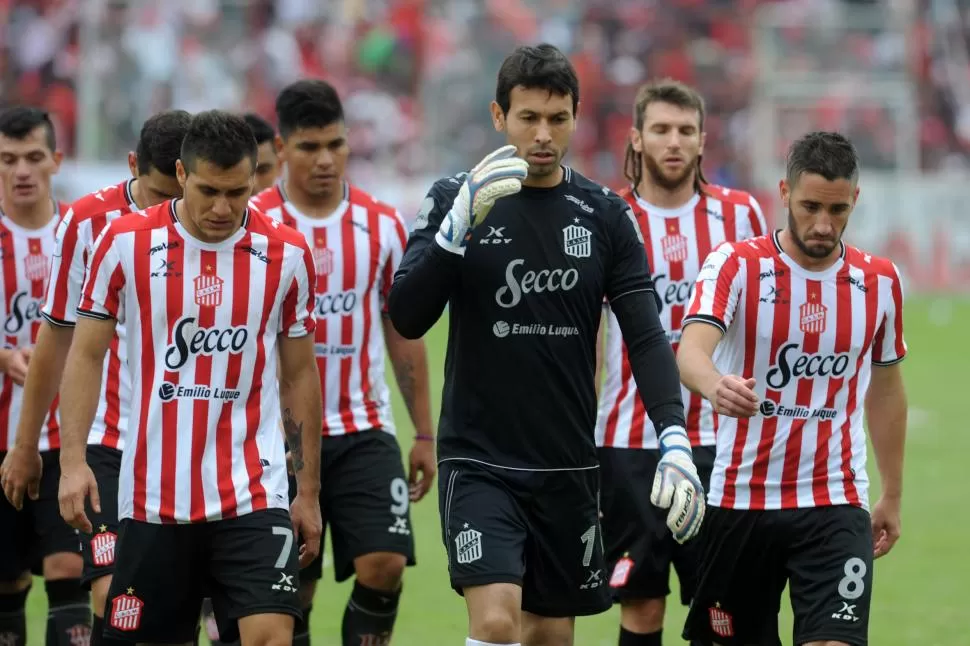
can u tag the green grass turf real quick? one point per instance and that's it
(919, 596)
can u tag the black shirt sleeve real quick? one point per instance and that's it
(629, 271)
(427, 274)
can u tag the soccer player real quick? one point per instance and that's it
(153, 181)
(33, 534)
(203, 487)
(519, 480)
(681, 218)
(809, 335)
(268, 164)
(357, 244)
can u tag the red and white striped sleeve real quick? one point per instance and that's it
(756, 220)
(101, 296)
(718, 289)
(67, 271)
(296, 314)
(889, 346)
(396, 240)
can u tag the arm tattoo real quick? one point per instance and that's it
(294, 438)
(406, 382)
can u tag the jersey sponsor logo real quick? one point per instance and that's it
(789, 364)
(811, 318)
(126, 612)
(208, 290)
(495, 235)
(673, 292)
(577, 240)
(334, 350)
(769, 408)
(36, 266)
(169, 391)
(421, 219)
(468, 545)
(721, 622)
(165, 269)
(24, 310)
(578, 202)
(322, 261)
(163, 247)
(188, 341)
(674, 247)
(103, 547)
(544, 280)
(502, 329)
(339, 304)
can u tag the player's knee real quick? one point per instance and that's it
(63, 565)
(16, 586)
(99, 594)
(266, 630)
(496, 626)
(306, 592)
(380, 570)
(547, 631)
(643, 616)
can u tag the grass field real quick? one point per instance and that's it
(919, 594)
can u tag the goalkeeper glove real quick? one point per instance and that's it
(500, 174)
(676, 485)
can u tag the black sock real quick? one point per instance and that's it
(13, 621)
(628, 638)
(97, 628)
(69, 612)
(369, 617)
(301, 628)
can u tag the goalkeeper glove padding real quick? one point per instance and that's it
(500, 174)
(676, 485)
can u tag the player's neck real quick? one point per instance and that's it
(666, 198)
(138, 194)
(802, 259)
(309, 205)
(545, 181)
(35, 216)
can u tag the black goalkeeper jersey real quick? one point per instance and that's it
(524, 308)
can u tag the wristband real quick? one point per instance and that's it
(425, 438)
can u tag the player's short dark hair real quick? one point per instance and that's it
(220, 138)
(829, 154)
(261, 128)
(307, 104)
(666, 90)
(19, 121)
(160, 141)
(543, 67)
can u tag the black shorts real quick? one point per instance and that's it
(37, 530)
(98, 549)
(640, 548)
(823, 554)
(363, 499)
(248, 565)
(537, 529)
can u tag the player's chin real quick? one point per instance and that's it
(543, 168)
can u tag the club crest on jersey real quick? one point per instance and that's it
(577, 241)
(811, 318)
(36, 266)
(674, 247)
(126, 612)
(322, 261)
(208, 289)
(103, 547)
(721, 622)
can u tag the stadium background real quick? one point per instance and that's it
(416, 77)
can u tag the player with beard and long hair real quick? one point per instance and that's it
(682, 217)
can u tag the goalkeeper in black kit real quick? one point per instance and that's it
(518, 487)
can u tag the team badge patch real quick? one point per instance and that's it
(468, 545)
(36, 266)
(674, 247)
(721, 622)
(322, 261)
(811, 318)
(126, 612)
(208, 289)
(621, 572)
(577, 241)
(103, 547)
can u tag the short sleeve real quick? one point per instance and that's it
(432, 211)
(71, 246)
(629, 270)
(718, 289)
(101, 295)
(756, 224)
(889, 346)
(395, 239)
(296, 313)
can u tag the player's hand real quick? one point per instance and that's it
(499, 175)
(20, 473)
(307, 524)
(422, 468)
(76, 486)
(676, 485)
(886, 525)
(735, 397)
(14, 364)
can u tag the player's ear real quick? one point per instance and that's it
(498, 117)
(180, 173)
(576, 114)
(785, 192)
(703, 141)
(278, 144)
(58, 158)
(636, 141)
(855, 199)
(133, 163)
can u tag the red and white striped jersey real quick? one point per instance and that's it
(203, 438)
(81, 226)
(356, 251)
(809, 339)
(25, 256)
(677, 241)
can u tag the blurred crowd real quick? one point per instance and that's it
(417, 75)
